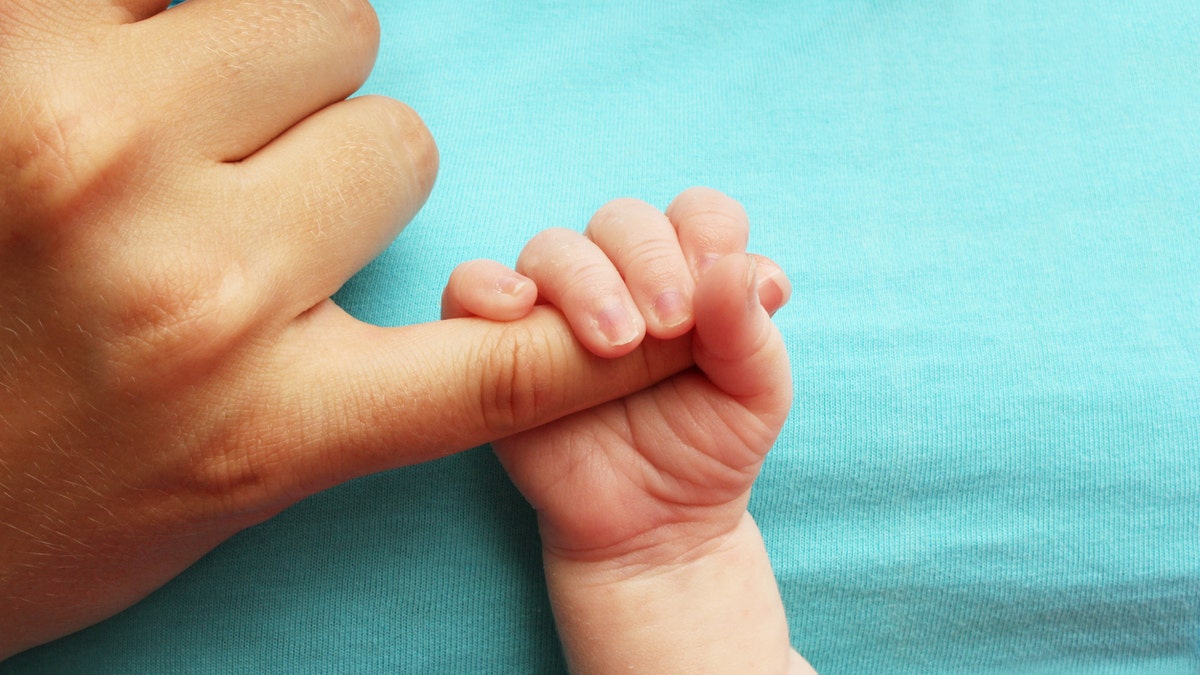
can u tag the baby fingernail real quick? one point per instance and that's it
(706, 261)
(774, 290)
(670, 309)
(617, 325)
(511, 285)
(752, 282)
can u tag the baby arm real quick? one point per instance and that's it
(652, 561)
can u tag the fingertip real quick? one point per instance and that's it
(514, 296)
(643, 246)
(517, 286)
(672, 315)
(452, 306)
(774, 287)
(577, 277)
(488, 289)
(615, 330)
(737, 345)
(727, 304)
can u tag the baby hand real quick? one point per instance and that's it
(652, 562)
(663, 471)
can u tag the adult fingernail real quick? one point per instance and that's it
(670, 308)
(616, 324)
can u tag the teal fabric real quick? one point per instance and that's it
(991, 215)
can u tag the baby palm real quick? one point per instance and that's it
(668, 468)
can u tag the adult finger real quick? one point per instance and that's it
(137, 10)
(333, 192)
(364, 399)
(644, 247)
(573, 274)
(111, 12)
(487, 289)
(736, 345)
(248, 69)
(711, 226)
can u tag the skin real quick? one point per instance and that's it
(652, 561)
(180, 193)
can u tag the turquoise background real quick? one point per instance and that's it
(990, 212)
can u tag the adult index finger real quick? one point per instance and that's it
(347, 399)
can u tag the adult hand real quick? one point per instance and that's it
(180, 193)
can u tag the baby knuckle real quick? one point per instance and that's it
(591, 278)
(618, 211)
(706, 198)
(551, 241)
(550, 249)
(719, 213)
(654, 257)
(616, 217)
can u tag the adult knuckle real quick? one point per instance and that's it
(69, 151)
(43, 157)
(292, 27)
(360, 22)
(350, 25)
(516, 380)
(387, 152)
(167, 328)
(227, 463)
(415, 151)
(503, 391)
(250, 470)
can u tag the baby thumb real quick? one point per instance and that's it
(736, 345)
